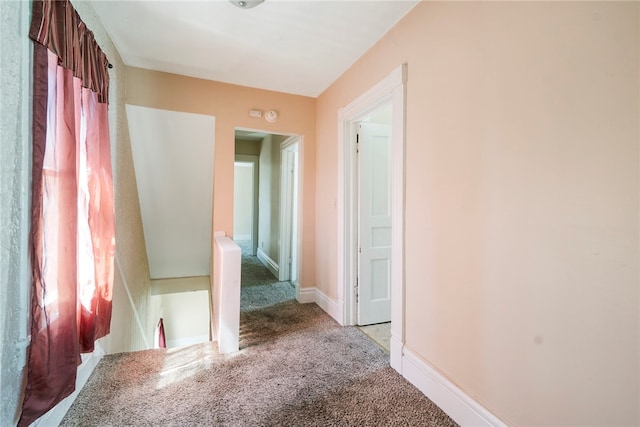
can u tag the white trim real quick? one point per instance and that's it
(328, 305)
(390, 90)
(293, 139)
(464, 410)
(271, 265)
(288, 206)
(305, 295)
(241, 237)
(396, 347)
(315, 295)
(133, 305)
(57, 413)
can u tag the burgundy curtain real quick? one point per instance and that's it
(72, 241)
(161, 338)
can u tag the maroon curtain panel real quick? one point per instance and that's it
(162, 340)
(72, 238)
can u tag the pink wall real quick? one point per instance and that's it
(522, 195)
(230, 104)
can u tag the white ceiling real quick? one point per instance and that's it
(297, 47)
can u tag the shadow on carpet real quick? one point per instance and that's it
(296, 366)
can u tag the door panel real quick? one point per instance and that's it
(374, 231)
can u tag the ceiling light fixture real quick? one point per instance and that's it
(246, 4)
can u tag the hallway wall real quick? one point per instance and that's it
(522, 202)
(230, 104)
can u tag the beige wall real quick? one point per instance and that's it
(230, 105)
(183, 303)
(248, 148)
(522, 194)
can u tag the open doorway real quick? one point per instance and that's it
(359, 230)
(289, 210)
(245, 202)
(266, 208)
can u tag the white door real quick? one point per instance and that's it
(289, 211)
(374, 230)
(294, 220)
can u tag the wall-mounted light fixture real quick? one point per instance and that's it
(246, 4)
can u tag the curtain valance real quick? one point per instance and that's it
(56, 25)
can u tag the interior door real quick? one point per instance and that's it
(374, 230)
(289, 211)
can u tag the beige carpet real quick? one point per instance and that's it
(296, 367)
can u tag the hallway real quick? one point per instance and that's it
(259, 289)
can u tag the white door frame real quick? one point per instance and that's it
(390, 90)
(255, 160)
(288, 210)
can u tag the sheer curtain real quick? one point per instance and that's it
(72, 241)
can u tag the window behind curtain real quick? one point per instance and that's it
(72, 240)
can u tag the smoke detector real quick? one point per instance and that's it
(271, 116)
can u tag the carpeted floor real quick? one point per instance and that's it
(296, 367)
(260, 288)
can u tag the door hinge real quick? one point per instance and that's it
(355, 291)
(357, 143)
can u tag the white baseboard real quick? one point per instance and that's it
(462, 408)
(328, 305)
(305, 295)
(309, 295)
(395, 352)
(57, 413)
(271, 265)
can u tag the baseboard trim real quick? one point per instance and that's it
(328, 305)
(305, 295)
(309, 295)
(56, 414)
(271, 265)
(395, 352)
(461, 407)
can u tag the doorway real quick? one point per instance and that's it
(388, 93)
(289, 210)
(245, 201)
(266, 195)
